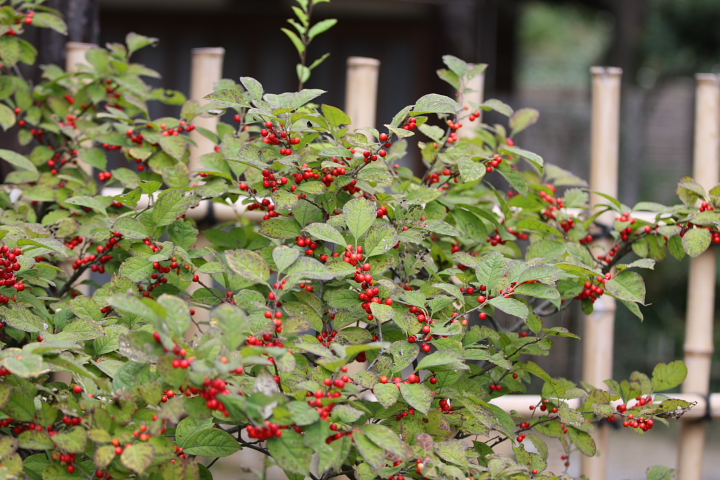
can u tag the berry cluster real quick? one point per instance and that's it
(308, 243)
(410, 125)
(494, 163)
(270, 430)
(274, 136)
(642, 423)
(592, 290)
(209, 391)
(98, 261)
(10, 265)
(445, 406)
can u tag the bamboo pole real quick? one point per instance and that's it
(74, 58)
(75, 55)
(599, 327)
(701, 286)
(361, 90)
(361, 87)
(477, 85)
(206, 70)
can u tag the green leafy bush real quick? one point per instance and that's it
(440, 283)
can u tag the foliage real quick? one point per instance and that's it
(439, 282)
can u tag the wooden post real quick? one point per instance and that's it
(361, 90)
(599, 327)
(701, 286)
(477, 85)
(206, 70)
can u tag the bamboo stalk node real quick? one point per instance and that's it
(698, 351)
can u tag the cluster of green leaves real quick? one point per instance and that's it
(258, 324)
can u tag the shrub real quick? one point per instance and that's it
(439, 282)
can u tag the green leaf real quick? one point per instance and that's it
(88, 202)
(310, 269)
(442, 360)
(372, 453)
(514, 178)
(382, 312)
(22, 319)
(379, 239)
(285, 200)
(538, 290)
(325, 232)
(490, 270)
(417, 396)
(453, 451)
(34, 440)
(583, 441)
(27, 365)
(675, 247)
(302, 413)
(491, 418)
(510, 306)
(450, 77)
(178, 314)
(434, 103)
(49, 20)
(284, 256)
(667, 376)
(532, 157)
(94, 157)
(211, 442)
(135, 42)
(17, 160)
(471, 170)
(534, 369)
(139, 457)
(627, 285)
(227, 98)
(498, 106)
(7, 117)
(170, 205)
(72, 441)
(335, 116)
(660, 473)
(182, 233)
(174, 146)
(386, 394)
(290, 452)
(254, 87)
(132, 228)
(385, 438)
(359, 216)
(137, 269)
(299, 45)
(104, 456)
(457, 66)
(696, 241)
(248, 264)
(321, 26)
(522, 119)
(281, 228)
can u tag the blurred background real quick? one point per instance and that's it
(539, 53)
